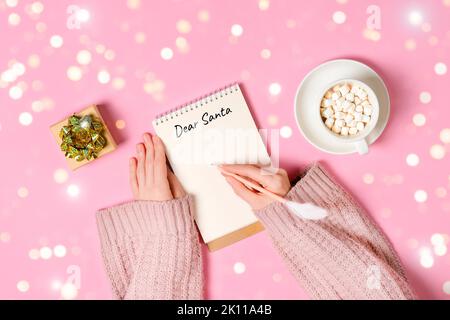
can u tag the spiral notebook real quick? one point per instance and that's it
(212, 130)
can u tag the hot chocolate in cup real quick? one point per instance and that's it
(348, 110)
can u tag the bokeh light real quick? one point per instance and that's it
(437, 151)
(56, 41)
(69, 291)
(14, 19)
(285, 132)
(415, 17)
(239, 268)
(421, 196)
(73, 190)
(368, 178)
(25, 118)
(444, 135)
(440, 68)
(203, 15)
(274, 89)
(265, 54)
(237, 30)
(426, 258)
(23, 286)
(15, 92)
(22, 192)
(103, 76)
(412, 160)
(166, 53)
(59, 251)
(34, 254)
(425, 97)
(45, 253)
(84, 57)
(74, 73)
(183, 26)
(339, 17)
(134, 4)
(60, 176)
(419, 119)
(83, 15)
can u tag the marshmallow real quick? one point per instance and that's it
(328, 112)
(365, 118)
(337, 108)
(368, 110)
(327, 102)
(360, 126)
(340, 101)
(339, 115)
(336, 95)
(358, 116)
(344, 89)
(365, 103)
(345, 105)
(336, 88)
(350, 97)
(355, 90)
(339, 123)
(348, 118)
(359, 108)
(353, 131)
(362, 94)
(329, 123)
(336, 129)
(351, 109)
(328, 94)
(357, 100)
(344, 131)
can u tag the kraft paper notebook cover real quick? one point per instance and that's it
(213, 130)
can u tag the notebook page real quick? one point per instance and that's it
(214, 130)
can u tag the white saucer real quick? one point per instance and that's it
(305, 102)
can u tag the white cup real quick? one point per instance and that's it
(360, 139)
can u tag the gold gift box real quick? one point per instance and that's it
(110, 143)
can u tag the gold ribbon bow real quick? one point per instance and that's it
(82, 138)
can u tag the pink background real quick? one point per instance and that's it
(299, 36)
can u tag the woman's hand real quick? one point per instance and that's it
(150, 178)
(277, 183)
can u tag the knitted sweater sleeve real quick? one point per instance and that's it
(151, 250)
(344, 256)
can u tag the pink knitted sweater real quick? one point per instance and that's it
(151, 249)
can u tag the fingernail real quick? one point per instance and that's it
(146, 137)
(155, 138)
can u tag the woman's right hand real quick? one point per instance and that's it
(150, 179)
(277, 182)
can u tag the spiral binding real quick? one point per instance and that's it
(195, 104)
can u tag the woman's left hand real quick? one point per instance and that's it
(150, 179)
